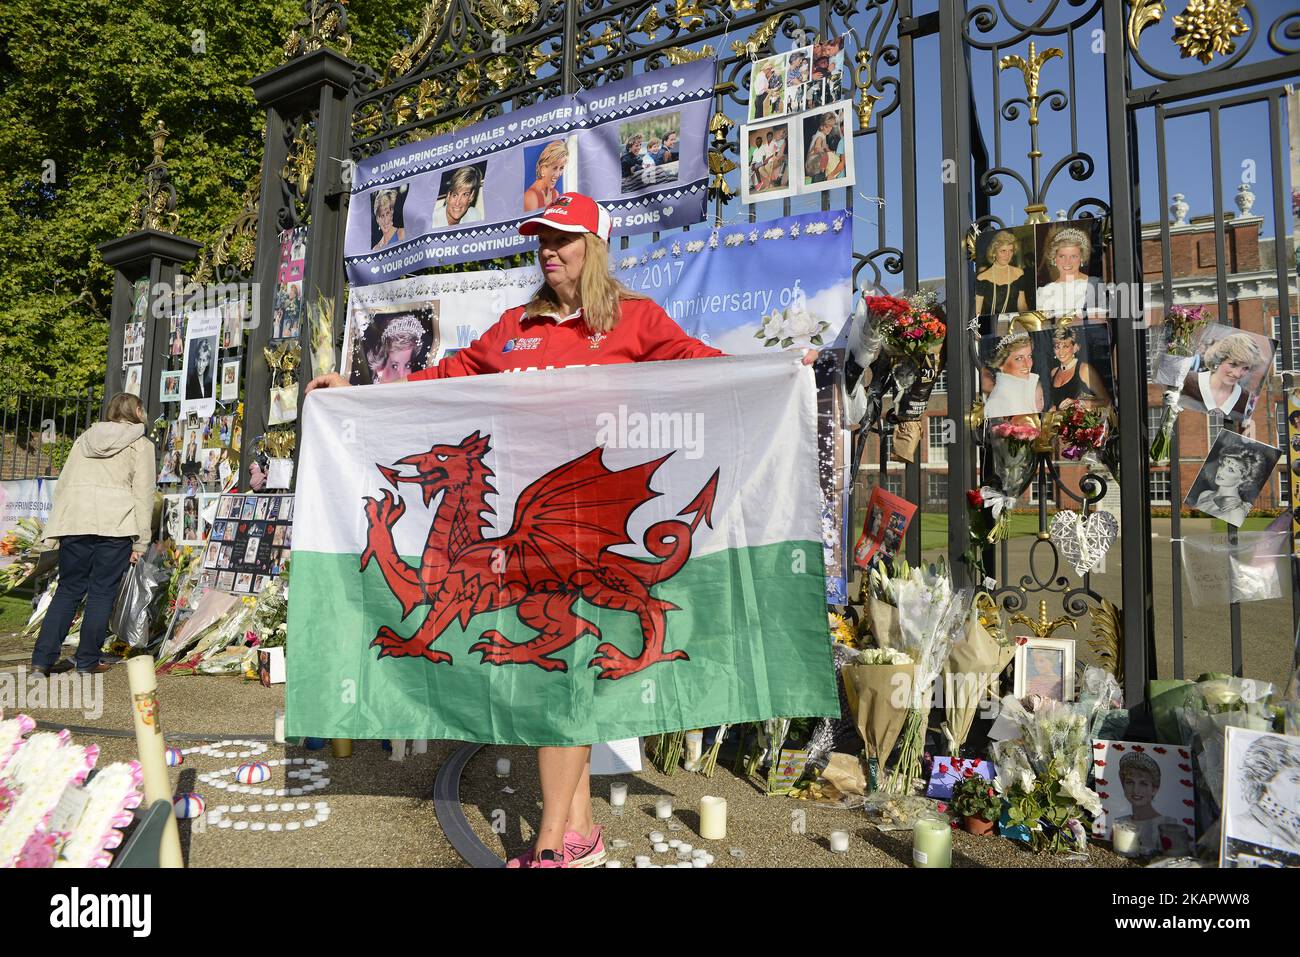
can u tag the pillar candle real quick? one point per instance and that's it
(152, 749)
(663, 808)
(1124, 838)
(931, 842)
(617, 795)
(840, 842)
(713, 818)
(279, 726)
(342, 747)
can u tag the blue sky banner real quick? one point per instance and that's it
(638, 146)
(764, 287)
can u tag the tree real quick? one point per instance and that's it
(85, 81)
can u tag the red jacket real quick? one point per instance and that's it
(644, 332)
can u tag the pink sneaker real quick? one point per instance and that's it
(523, 860)
(549, 858)
(586, 851)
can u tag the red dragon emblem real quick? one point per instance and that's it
(557, 551)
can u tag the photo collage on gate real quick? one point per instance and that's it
(1042, 298)
(799, 138)
(199, 392)
(249, 542)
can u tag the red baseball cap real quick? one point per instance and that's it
(571, 213)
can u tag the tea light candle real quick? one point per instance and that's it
(1124, 839)
(931, 842)
(674, 844)
(656, 837)
(663, 808)
(713, 818)
(840, 842)
(503, 767)
(613, 863)
(661, 848)
(617, 795)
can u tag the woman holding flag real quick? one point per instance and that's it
(580, 315)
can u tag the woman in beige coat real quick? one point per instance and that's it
(103, 508)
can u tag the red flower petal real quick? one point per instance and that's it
(1100, 763)
(1099, 746)
(1138, 748)
(942, 807)
(1102, 794)
(1158, 750)
(1118, 747)
(1102, 781)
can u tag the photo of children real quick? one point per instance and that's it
(798, 74)
(544, 165)
(230, 380)
(650, 150)
(767, 88)
(888, 516)
(387, 223)
(1141, 786)
(769, 173)
(392, 344)
(460, 196)
(1235, 472)
(827, 72)
(827, 154)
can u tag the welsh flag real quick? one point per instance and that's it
(561, 557)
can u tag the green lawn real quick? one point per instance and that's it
(14, 613)
(934, 529)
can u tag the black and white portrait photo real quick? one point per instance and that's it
(1261, 800)
(1235, 472)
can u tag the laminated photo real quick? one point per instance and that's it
(1006, 270)
(169, 387)
(1143, 786)
(1070, 260)
(770, 166)
(1231, 368)
(1261, 800)
(1236, 470)
(826, 148)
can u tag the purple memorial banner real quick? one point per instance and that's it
(638, 146)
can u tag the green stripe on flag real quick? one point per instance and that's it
(753, 622)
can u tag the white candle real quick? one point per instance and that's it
(713, 818)
(656, 837)
(1124, 838)
(661, 848)
(279, 726)
(613, 863)
(663, 808)
(503, 767)
(684, 850)
(840, 842)
(617, 795)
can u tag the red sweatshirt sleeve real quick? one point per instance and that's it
(662, 338)
(474, 360)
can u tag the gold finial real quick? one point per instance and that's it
(862, 79)
(324, 24)
(1030, 69)
(155, 206)
(1042, 628)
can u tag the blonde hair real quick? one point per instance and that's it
(1002, 237)
(1239, 347)
(551, 154)
(599, 292)
(125, 407)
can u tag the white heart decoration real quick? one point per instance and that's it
(678, 82)
(1083, 543)
(668, 210)
(512, 126)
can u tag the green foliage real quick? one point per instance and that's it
(975, 797)
(85, 81)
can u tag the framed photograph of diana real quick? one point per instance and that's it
(1235, 472)
(1045, 667)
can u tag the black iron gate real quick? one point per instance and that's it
(959, 109)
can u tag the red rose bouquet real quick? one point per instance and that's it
(1082, 429)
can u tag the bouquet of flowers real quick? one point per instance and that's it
(1162, 445)
(931, 617)
(1183, 328)
(972, 669)
(873, 681)
(911, 332)
(1014, 453)
(1042, 774)
(22, 543)
(1082, 429)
